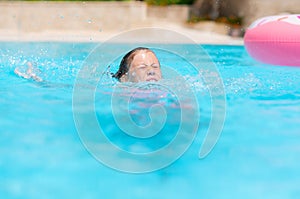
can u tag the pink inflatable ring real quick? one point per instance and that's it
(275, 40)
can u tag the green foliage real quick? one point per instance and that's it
(230, 20)
(196, 19)
(234, 20)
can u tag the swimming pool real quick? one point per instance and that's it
(256, 156)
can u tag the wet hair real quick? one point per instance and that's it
(126, 61)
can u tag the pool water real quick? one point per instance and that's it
(42, 154)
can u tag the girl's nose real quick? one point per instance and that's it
(150, 71)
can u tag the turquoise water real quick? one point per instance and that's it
(42, 155)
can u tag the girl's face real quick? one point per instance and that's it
(144, 67)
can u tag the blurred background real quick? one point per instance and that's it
(226, 17)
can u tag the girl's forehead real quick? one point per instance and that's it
(143, 54)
